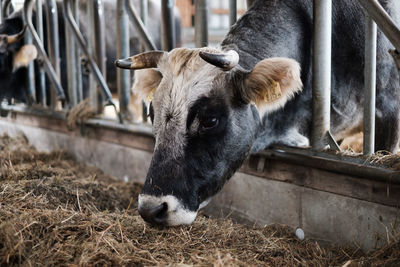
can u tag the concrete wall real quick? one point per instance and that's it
(117, 160)
(322, 215)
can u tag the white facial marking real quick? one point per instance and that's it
(176, 213)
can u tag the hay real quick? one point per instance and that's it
(80, 113)
(55, 211)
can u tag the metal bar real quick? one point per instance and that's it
(1, 12)
(144, 12)
(99, 46)
(90, 40)
(167, 25)
(200, 23)
(144, 35)
(92, 64)
(232, 12)
(370, 85)
(53, 44)
(343, 165)
(31, 75)
(71, 66)
(321, 73)
(123, 76)
(336, 165)
(78, 66)
(383, 20)
(36, 40)
(5, 8)
(41, 75)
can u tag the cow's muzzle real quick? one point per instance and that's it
(164, 210)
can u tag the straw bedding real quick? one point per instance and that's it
(57, 212)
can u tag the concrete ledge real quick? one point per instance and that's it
(124, 162)
(322, 215)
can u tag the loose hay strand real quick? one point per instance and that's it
(54, 213)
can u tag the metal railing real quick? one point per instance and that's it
(84, 51)
(321, 76)
(92, 49)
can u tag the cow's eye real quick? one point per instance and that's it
(209, 123)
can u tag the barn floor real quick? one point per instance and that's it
(55, 211)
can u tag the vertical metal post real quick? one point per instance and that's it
(370, 85)
(201, 23)
(31, 75)
(71, 66)
(1, 13)
(99, 45)
(123, 76)
(78, 66)
(144, 12)
(232, 12)
(167, 25)
(321, 73)
(90, 45)
(39, 28)
(53, 45)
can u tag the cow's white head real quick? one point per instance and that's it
(205, 111)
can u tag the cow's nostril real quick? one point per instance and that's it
(163, 211)
(155, 214)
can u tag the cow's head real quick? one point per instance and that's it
(205, 111)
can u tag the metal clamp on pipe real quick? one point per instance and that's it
(27, 14)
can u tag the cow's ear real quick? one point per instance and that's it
(146, 82)
(24, 56)
(271, 83)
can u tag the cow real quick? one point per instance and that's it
(13, 73)
(14, 58)
(212, 107)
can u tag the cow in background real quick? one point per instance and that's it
(212, 107)
(14, 58)
(13, 77)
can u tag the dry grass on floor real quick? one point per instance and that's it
(55, 211)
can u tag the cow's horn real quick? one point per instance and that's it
(142, 61)
(225, 61)
(16, 37)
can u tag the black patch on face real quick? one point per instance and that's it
(212, 114)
